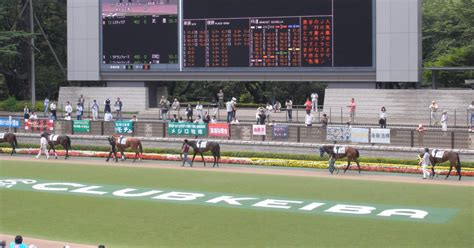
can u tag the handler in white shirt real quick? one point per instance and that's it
(425, 162)
(43, 147)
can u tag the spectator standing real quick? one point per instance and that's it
(229, 109)
(352, 110)
(383, 118)
(43, 147)
(95, 110)
(107, 106)
(175, 106)
(68, 108)
(307, 106)
(220, 97)
(118, 108)
(53, 108)
(425, 162)
(234, 107)
(324, 120)
(199, 109)
(470, 109)
(164, 107)
(18, 243)
(82, 101)
(26, 113)
(421, 132)
(46, 106)
(433, 113)
(444, 121)
(268, 111)
(108, 116)
(189, 113)
(79, 111)
(314, 101)
(215, 107)
(308, 120)
(289, 109)
(259, 114)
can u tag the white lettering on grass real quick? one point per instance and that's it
(312, 206)
(52, 186)
(413, 213)
(125, 193)
(272, 203)
(89, 190)
(230, 200)
(350, 209)
(179, 196)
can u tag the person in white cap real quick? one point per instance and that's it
(43, 147)
(444, 121)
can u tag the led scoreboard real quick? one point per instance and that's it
(237, 35)
(258, 34)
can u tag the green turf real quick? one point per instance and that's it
(128, 223)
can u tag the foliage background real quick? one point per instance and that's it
(448, 40)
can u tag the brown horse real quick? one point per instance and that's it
(212, 146)
(351, 153)
(128, 142)
(54, 140)
(452, 157)
(10, 138)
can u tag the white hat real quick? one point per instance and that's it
(234, 99)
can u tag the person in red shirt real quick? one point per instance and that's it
(185, 152)
(308, 105)
(352, 109)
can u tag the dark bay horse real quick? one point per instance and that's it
(351, 153)
(54, 140)
(128, 142)
(11, 139)
(212, 146)
(452, 157)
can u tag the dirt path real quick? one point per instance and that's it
(40, 243)
(262, 170)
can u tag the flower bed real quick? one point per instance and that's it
(393, 168)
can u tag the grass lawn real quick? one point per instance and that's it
(120, 222)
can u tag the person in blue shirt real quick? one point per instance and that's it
(18, 243)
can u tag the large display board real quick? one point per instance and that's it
(237, 35)
(139, 34)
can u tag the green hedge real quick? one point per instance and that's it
(13, 105)
(311, 157)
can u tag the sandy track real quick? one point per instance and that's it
(351, 175)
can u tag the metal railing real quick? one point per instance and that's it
(404, 137)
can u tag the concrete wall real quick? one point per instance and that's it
(133, 98)
(83, 22)
(398, 39)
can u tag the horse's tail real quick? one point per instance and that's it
(357, 153)
(68, 142)
(218, 152)
(140, 147)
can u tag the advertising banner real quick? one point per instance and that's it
(259, 130)
(360, 135)
(280, 132)
(338, 133)
(380, 135)
(9, 122)
(124, 127)
(81, 126)
(187, 129)
(218, 129)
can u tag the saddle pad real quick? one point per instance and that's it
(437, 153)
(2, 135)
(123, 141)
(201, 144)
(53, 137)
(339, 149)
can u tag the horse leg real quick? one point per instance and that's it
(123, 155)
(67, 152)
(54, 150)
(203, 160)
(433, 173)
(13, 148)
(348, 164)
(458, 169)
(358, 165)
(449, 172)
(192, 161)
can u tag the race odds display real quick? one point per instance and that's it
(139, 34)
(237, 35)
